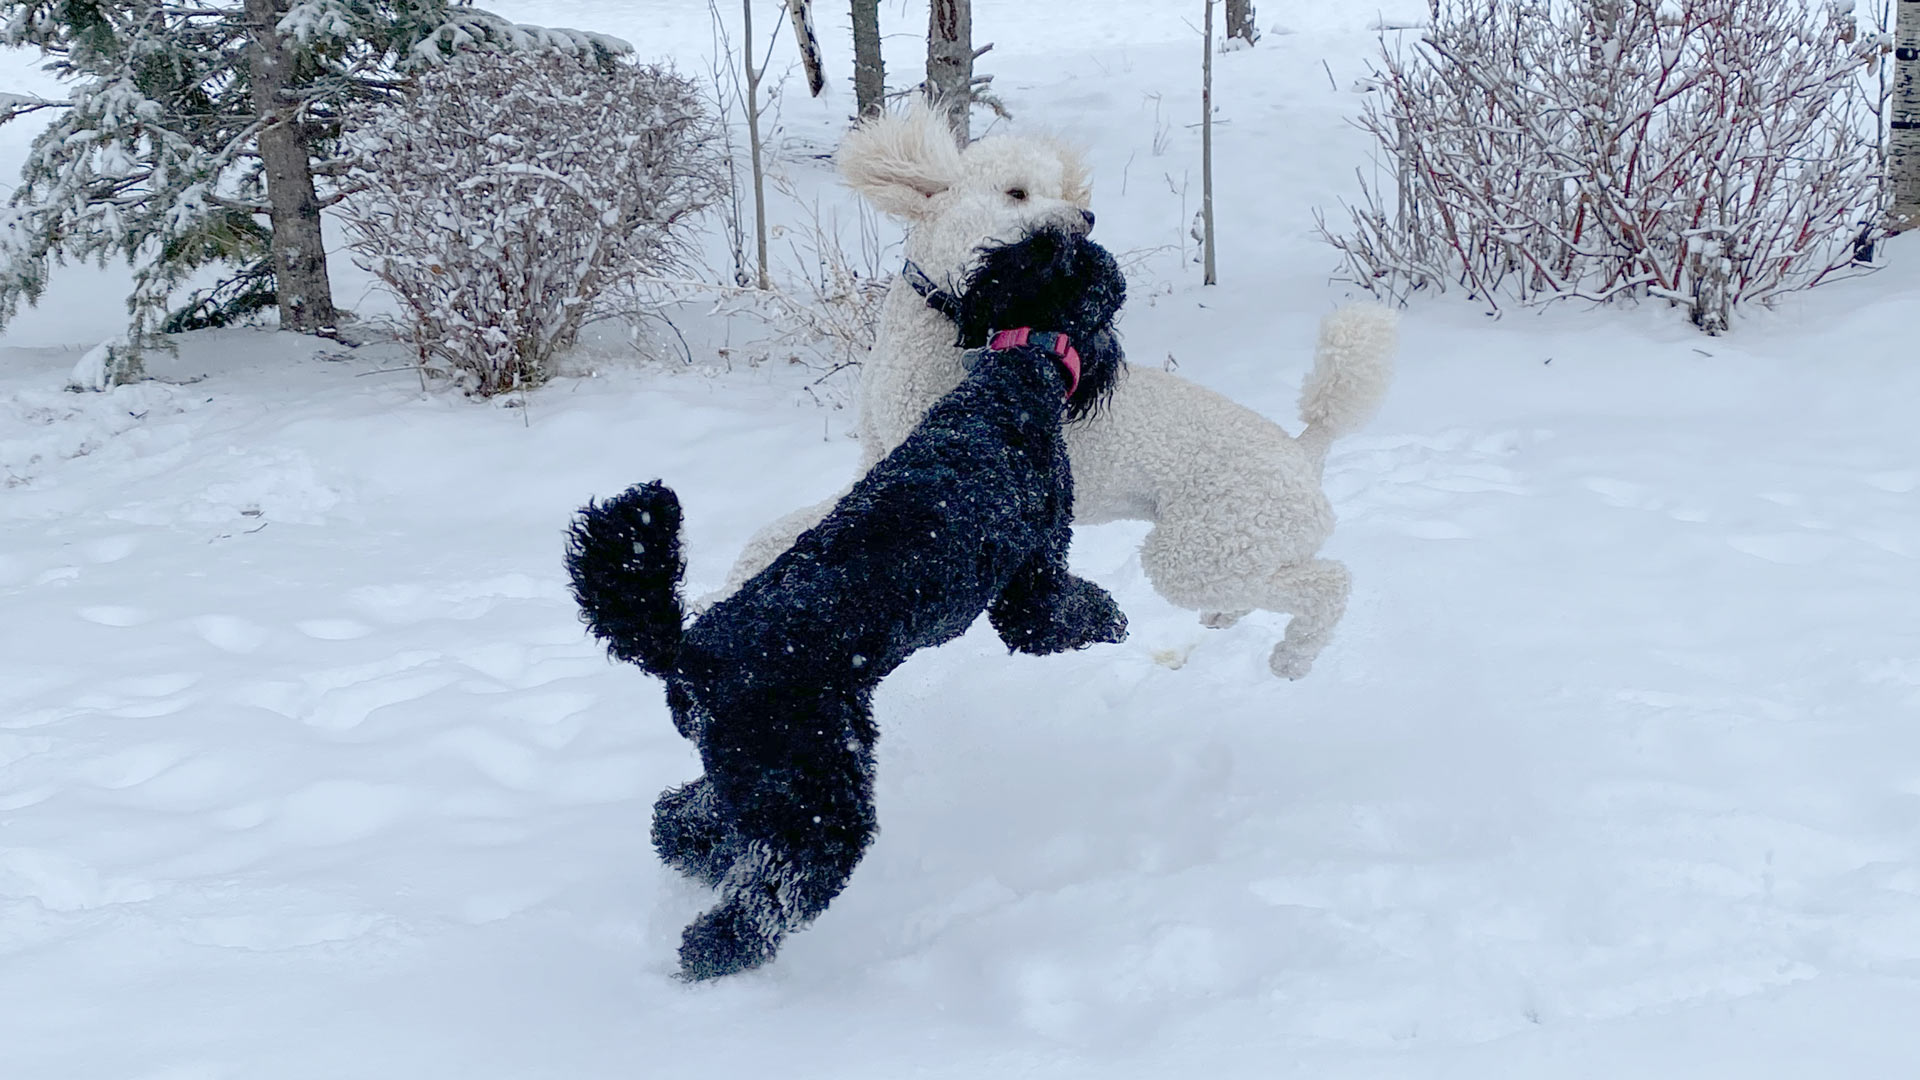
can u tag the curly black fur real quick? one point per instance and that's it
(1051, 280)
(773, 683)
(633, 578)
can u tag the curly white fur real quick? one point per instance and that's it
(1236, 502)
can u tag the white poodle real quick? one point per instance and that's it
(1236, 503)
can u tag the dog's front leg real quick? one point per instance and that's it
(1047, 609)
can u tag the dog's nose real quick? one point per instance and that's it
(1088, 216)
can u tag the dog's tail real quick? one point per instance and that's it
(624, 558)
(1351, 369)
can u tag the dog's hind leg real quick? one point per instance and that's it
(797, 788)
(691, 835)
(1315, 593)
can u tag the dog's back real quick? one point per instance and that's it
(911, 556)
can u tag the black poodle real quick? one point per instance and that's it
(773, 683)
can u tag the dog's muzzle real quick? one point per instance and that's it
(948, 304)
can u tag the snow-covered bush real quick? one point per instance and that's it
(508, 193)
(1711, 152)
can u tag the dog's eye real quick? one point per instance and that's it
(1017, 194)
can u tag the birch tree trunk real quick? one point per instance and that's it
(1240, 21)
(869, 71)
(1206, 147)
(1903, 142)
(950, 61)
(299, 253)
(753, 138)
(800, 13)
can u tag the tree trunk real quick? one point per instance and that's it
(299, 252)
(753, 137)
(1240, 21)
(800, 13)
(950, 61)
(1903, 142)
(1712, 299)
(869, 72)
(1206, 146)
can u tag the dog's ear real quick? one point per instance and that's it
(899, 160)
(1076, 179)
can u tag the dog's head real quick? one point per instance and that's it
(1050, 279)
(960, 201)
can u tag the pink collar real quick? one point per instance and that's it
(1058, 344)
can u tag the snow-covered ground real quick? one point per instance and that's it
(308, 771)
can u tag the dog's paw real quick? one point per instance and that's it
(1100, 619)
(1288, 664)
(1078, 615)
(724, 941)
(1220, 620)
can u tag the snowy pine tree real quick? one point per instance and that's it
(202, 141)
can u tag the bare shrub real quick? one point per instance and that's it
(508, 193)
(832, 298)
(1711, 152)
(822, 308)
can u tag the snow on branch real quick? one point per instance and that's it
(509, 192)
(432, 34)
(13, 105)
(470, 30)
(1710, 153)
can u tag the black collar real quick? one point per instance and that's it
(937, 298)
